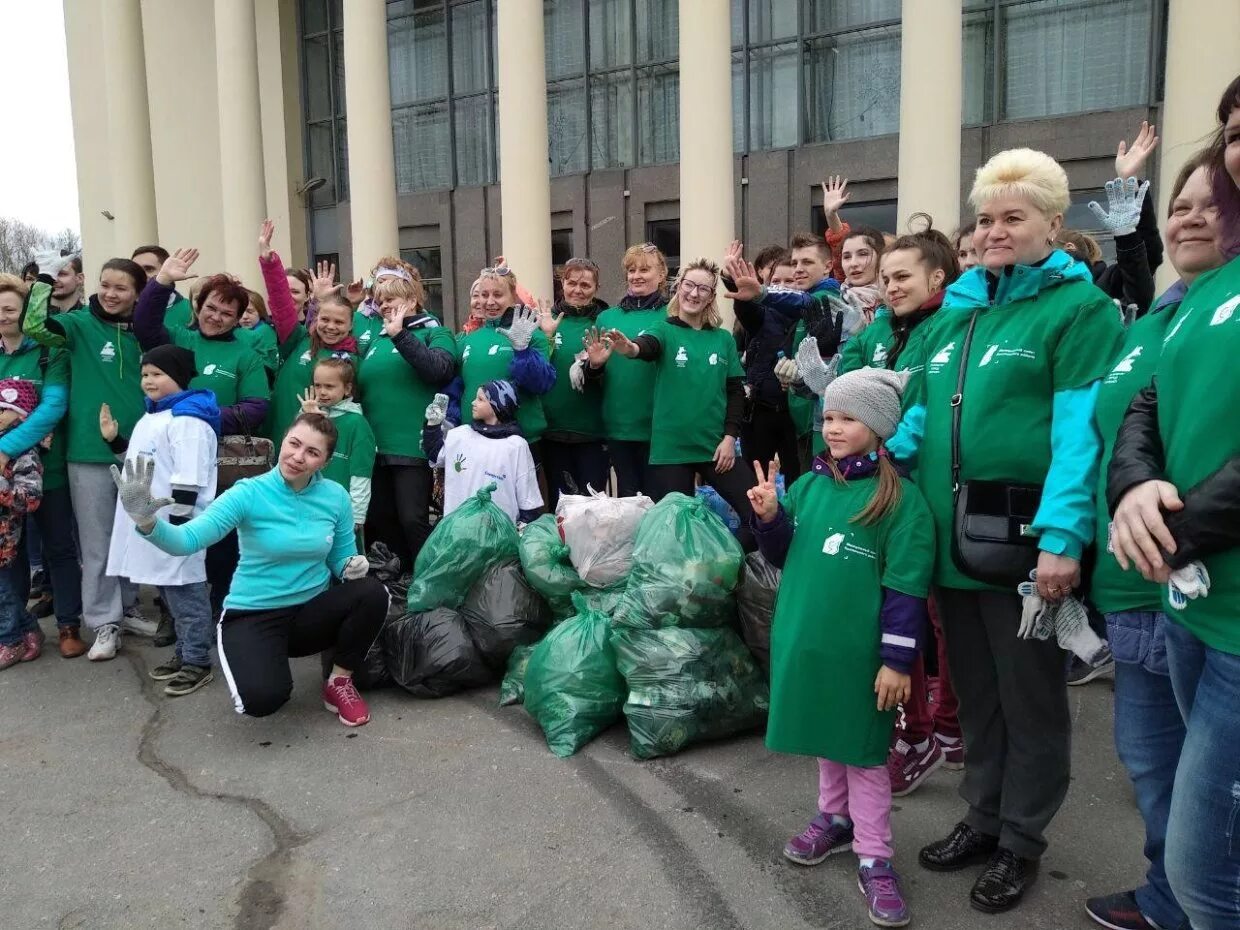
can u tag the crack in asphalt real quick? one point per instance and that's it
(265, 896)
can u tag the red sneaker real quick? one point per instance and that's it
(34, 645)
(341, 698)
(953, 752)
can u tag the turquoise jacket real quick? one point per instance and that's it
(1065, 518)
(292, 542)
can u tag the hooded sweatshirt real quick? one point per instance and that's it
(353, 460)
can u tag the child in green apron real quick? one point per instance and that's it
(853, 531)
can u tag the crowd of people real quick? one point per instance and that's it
(1002, 456)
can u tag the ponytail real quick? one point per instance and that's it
(887, 494)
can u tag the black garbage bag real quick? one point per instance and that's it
(374, 672)
(755, 605)
(687, 685)
(512, 688)
(431, 655)
(501, 612)
(384, 565)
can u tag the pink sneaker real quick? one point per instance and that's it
(11, 655)
(34, 645)
(908, 768)
(341, 698)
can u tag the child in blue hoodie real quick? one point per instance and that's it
(179, 433)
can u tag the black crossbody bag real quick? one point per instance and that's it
(991, 520)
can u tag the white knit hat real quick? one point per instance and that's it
(871, 395)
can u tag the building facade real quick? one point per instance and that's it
(421, 126)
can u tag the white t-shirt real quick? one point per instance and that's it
(184, 450)
(471, 461)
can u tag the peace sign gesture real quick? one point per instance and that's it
(762, 496)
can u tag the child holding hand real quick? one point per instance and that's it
(851, 526)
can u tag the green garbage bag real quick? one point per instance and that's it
(512, 688)
(462, 546)
(544, 559)
(685, 566)
(686, 686)
(572, 687)
(603, 600)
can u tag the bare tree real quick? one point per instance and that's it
(20, 242)
(67, 242)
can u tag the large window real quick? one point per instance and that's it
(429, 265)
(441, 65)
(323, 87)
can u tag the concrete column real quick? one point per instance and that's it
(372, 166)
(524, 175)
(242, 178)
(88, 98)
(129, 137)
(1203, 48)
(279, 81)
(707, 182)
(931, 98)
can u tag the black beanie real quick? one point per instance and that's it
(175, 362)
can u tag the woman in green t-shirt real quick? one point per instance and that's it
(1034, 337)
(699, 393)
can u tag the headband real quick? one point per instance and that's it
(386, 272)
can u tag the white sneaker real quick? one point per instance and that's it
(107, 641)
(134, 622)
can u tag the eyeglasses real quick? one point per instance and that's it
(692, 290)
(502, 270)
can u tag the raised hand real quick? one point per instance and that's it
(177, 267)
(437, 410)
(735, 250)
(1130, 160)
(744, 279)
(597, 346)
(762, 497)
(621, 343)
(548, 322)
(816, 373)
(834, 194)
(265, 232)
(108, 426)
(394, 321)
(524, 322)
(324, 280)
(133, 490)
(355, 292)
(309, 403)
(1124, 198)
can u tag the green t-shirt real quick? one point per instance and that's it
(1198, 397)
(628, 383)
(1022, 353)
(486, 355)
(179, 314)
(42, 366)
(823, 662)
(230, 368)
(1111, 588)
(263, 339)
(393, 397)
(355, 449)
(366, 329)
(296, 374)
(691, 391)
(569, 410)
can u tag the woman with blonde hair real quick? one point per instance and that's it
(410, 359)
(1003, 433)
(699, 392)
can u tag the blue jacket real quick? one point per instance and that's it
(196, 402)
(770, 322)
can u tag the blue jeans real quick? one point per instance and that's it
(1149, 734)
(55, 521)
(1203, 832)
(191, 614)
(15, 619)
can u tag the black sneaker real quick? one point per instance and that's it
(166, 635)
(43, 606)
(1118, 912)
(1003, 884)
(38, 584)
(1081, 672)
(165, 671)
(188, 680)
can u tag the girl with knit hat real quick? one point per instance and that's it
(179, 433)
(21, 489)
(851, 524)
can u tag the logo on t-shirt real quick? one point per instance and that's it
(458, 464)
(1224, 313)
(1125, 365)
(714, 358)
(365, 337)
(836, 542)
(681, 357)
(493, 350)
(464, 355)
(214, 369)
(943, 357)
(107, 353)
(880, 353)
(373, 349)
(559, 339)
(990, 353)
(305, 358)
(833, 543)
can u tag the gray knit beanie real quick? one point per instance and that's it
(871, 395)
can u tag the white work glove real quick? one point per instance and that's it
(1073, 633)
(51, 263)
(1187, 584)
(787, 372)
(355, 567)
(437, 410)
(1037, 618)
(524, 322)
(816, 373)
(577, 373)
(1124, 197)
(134, 490)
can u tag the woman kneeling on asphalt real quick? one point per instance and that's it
(296, 534)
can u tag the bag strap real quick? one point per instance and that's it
(958, 397)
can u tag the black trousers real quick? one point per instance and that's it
(732, 486)
(630, 461)
(1014, 715)
(571, 466)
(769, 431)
(221, 564)
(255, 646)
(400, 505)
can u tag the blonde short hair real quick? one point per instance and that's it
(12, 284)
(390, 286)
(1026, 173)
(646, 251)
(710, 315)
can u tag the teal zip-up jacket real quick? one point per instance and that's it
(1065, 518)
(292, 542)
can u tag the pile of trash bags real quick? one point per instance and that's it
(613, 608)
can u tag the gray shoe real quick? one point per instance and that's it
(166, 635)
(188, 680)
(134, 622)
(167, 670)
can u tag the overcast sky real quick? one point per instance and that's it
(38, 181)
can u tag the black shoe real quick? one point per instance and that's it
(38, 584)
(166, 635)
(1004, 882)
(166, 671)
(1081, 672)
(43, 606)
(1118, 912)
(189, 680)
(963, 848)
